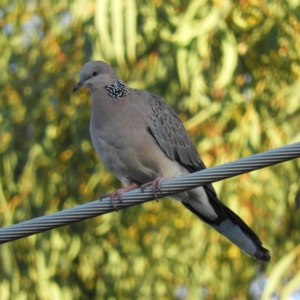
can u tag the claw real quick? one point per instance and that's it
(119, 194)
(155, 184)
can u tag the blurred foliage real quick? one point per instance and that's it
(232, 70)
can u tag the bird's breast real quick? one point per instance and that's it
(121, 138)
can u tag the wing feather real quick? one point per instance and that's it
(166, 127)
(170, 134)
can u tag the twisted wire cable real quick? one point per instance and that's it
(96, 207)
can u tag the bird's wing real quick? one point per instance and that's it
(167, 129)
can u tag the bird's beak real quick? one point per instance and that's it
(78, 85)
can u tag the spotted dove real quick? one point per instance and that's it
(141, 139)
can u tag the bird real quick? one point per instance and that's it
(142, 141)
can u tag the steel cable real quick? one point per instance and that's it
(96, 208)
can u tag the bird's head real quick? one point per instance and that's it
(95, 73)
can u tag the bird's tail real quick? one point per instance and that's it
(230, 225)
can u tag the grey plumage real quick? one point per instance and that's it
(139, 138)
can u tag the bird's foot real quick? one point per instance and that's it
(119, 193)
(155, 184)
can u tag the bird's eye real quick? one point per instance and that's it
(95, 73)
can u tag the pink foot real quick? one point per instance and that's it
(119, 193)
(155, 184)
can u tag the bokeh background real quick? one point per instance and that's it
(231, 69)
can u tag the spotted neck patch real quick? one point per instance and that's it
(117, 90)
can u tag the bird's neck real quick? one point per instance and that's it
(117, 90)
(107, 102)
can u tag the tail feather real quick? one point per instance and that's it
(231, 226)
